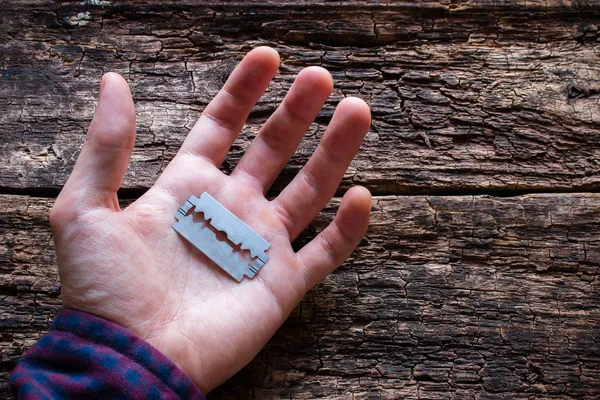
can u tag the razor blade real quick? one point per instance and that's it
(225, 253)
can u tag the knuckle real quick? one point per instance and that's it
(63, 211)
(57, 214)
(284, 214)
(329, 250)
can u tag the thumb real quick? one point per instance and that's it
(104, 158)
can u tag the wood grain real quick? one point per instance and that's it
(466, 96)
(447, 296)
(453, 293)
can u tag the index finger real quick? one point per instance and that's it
(223, 118)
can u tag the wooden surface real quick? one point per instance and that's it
(478, 277)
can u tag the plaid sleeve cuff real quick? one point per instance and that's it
(84, 356)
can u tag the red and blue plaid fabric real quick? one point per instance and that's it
(84, 356)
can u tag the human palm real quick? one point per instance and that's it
(132, 268)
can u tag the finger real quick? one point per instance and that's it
(314, 185)
(334, 245)
(279, 137)
(225, 115)
(104, 158)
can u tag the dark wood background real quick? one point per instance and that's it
(479, 275)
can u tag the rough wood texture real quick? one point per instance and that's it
(448, 296)
(469, 297)
(466, 96)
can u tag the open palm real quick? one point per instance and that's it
(131, 267)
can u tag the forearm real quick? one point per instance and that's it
(84, 356)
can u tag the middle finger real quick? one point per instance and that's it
(279, 137)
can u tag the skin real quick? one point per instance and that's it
(129, 266)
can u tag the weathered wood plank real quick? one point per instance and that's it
(466, 297)
(466, 96)
(469, 297)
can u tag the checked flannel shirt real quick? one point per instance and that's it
(84, 356)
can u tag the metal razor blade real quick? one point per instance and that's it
(224, 253)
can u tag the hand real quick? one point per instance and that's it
(131, 266)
